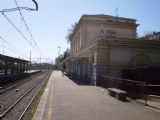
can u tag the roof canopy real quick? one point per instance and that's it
(11, 59)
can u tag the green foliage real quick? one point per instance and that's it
(64, 55)
(71, 32)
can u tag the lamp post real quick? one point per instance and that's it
(59, 57)
(59, 51)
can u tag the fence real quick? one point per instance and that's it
(142, 91)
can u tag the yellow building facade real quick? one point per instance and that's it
(106, 45)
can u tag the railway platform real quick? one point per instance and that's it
(63, 99)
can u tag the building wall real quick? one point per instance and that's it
(90, 27)
(111, 59)
(109, 46)
(124, 32)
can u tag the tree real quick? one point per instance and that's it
(64, 55)
(71, 32)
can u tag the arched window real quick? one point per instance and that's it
(140, 61)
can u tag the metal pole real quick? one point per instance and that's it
(146, 92)
(40, 64)
(58, 57)
(59, 51)
(30, 58)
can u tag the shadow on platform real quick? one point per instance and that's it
(79, 81)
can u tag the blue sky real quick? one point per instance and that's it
(49, 25)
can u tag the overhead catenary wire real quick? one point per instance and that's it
(12, 50)
(39, 58)
(16, 28)
(12, 46)
(22, 8)
(19, 31)
(25, 23)
(31, 36)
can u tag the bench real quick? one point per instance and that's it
(119, 94)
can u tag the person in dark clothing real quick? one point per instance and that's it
(63, 68)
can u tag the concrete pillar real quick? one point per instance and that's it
(27, 67)
(17, 68)
(23, 67)
(20, 69)
(100, 65)
(12, 68)
(6, 69)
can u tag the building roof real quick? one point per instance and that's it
(108, 16)
(105, 17)
(11, 59)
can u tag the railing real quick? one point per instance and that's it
(141, 91)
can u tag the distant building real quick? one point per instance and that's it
(152, 36)
(107, 45)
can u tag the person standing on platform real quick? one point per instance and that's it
(63, 68)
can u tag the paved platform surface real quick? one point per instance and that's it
(65, 100)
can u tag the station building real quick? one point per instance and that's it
(107, 45)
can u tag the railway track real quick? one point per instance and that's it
(17, 110)
(15, 84)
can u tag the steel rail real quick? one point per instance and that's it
(15, 103)
(15, 84)
(20, 118)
